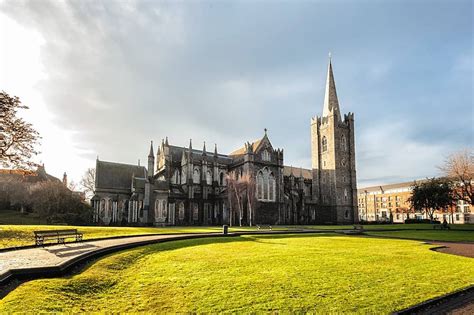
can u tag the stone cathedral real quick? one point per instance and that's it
(249, 186)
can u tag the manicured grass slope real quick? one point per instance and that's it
(253, 274)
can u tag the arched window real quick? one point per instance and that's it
(325, 144)
(343, 143)
(259, 185)
(343, 162)
(221, 179)
(266, 185)
(175, 178)
(271, 187)
(266, 156)
(208, 178)
(196, 176)
(345, 194)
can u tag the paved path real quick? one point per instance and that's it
(24, 260)
(461, 249)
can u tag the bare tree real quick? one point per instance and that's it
(459, 167)
(88, 182)
(250, 189)
(17, 137)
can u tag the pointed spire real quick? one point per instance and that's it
(331, 104)
(166, 141)
(215, 149)
(265, 130)
(190, 144)
(204, 148)
(151, 150)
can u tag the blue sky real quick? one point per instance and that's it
(105, 78)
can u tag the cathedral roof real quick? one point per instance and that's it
(242, 150)
(177, 152)
(296, 171)
(110, 175)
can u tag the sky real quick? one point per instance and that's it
(104, 78)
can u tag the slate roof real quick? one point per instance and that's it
(387, 187)
(110, 175)
(242, 150)
(39, 175)
(177, 153)
(287, 170)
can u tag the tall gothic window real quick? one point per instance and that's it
(325, 144)
(196, 176)
(266, 156)
(221, 179)
(259, 186)
(175, 178)
(343, 143)
(208, 178)
(266, 185)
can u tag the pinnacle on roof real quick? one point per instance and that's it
(166, 141)
(331, 103)
(204, 148)
(215, 149)
(151, 150)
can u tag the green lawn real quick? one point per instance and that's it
(432, 235)
(21, 235)
(251, 274)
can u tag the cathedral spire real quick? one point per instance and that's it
(151, 150)
(215, 149)
(204, 148)
(331, 104)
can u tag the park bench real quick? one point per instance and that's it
(264, 227)
(59, 235)
(441, 227)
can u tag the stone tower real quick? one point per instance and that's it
(333, 160)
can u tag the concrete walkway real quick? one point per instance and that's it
(57, 258)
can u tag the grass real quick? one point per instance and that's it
(432, 235)
(21, 235)
(320, 273)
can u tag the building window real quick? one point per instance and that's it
(343, 162)
(266, 156)
(221, 179)
(208, 178)
(457, 216)
(181, 211)
(345, 194)
(160, 210)
(175, 178)
(266, 185)
(196, 176)
(343, 143)
(324, 144)
(195, 211)
(259, 186)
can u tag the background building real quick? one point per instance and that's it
(390, 203)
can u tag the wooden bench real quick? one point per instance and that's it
(59, 235)
(264, 227)
(441, 227)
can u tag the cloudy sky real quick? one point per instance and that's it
(106, 77)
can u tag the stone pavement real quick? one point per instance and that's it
(461, 249)
(39, 259)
